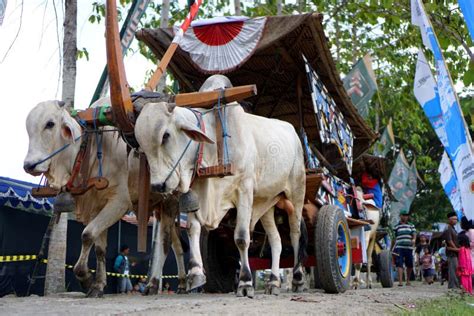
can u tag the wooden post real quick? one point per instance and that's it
(143, 203)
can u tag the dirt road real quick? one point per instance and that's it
(377, 301)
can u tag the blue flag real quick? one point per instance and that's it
(467, 8)
(450, 184)
(459, 150)
(3, 8)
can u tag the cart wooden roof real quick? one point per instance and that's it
(274, 67)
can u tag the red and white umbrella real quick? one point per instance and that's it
(221, 44)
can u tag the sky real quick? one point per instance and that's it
(29, 73)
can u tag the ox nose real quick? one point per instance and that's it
(159, 187)
(28, 167)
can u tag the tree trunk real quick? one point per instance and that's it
(165, 17)
(237, 7)
(55, 280)
(69, 53)
(301, 6)
(279, 7)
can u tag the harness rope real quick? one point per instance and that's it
(98, 141)
(221, 110)
(81, 153)
(196, 169)
(54, 153)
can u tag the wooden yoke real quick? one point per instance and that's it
(122, 106)
(123, 114)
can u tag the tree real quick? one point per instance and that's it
(237, 7)
(55, 280)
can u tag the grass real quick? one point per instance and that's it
(451, 304)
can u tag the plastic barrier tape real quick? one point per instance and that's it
(17, 258)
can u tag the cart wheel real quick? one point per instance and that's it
(385, 268)
(219, 262)
(317, 279)
(333, 249)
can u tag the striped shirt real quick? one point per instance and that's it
(404, 233)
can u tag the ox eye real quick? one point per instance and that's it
(49, 125)
(166, 136)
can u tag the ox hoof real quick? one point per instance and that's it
(245, 290)
(272, 289)
(181, 290)
(150, 290)
(369, 286)
(86, 283)
(297, 287)
(195, 281)
(95, 293)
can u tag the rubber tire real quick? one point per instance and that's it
(220, 277)
(317, 279)
(326, 236)
(385, 268)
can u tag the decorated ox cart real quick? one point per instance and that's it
(289, 61)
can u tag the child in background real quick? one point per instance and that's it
(464, 270)
(427, 262)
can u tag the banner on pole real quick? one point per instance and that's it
(427, 95)
(361, 84)
(3, 8)
(386, 141)
(403, 183)
(459, 149)
(450, 183)
(467, 8)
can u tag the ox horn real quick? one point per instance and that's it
(171, 107)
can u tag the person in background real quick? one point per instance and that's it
(452, 249)
(443, 266)
(405, 234)
(141, 285)
(427, 263)
(370, 184)
(464, 270)
(468, 227)
(122, 266)
(420, 252)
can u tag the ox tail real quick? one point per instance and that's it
(303, 243)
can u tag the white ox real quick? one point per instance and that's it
(50, 127)
(269, 165)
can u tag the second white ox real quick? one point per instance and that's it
(269, 164)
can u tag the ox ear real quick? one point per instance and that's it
(193, 132)
(69, 127)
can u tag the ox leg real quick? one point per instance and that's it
(268, 222)
(110, 214)
(161, 252)
(97, 288)
(355, 281)
(369, 261)
(242, 238)
(295, 233)
(179, 254)
(196, 277)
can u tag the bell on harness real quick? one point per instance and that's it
(188, 202)
(64, 203)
